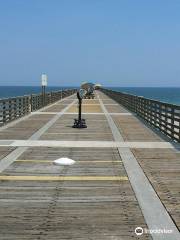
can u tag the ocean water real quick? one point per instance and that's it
(8, 91)
(168, 94)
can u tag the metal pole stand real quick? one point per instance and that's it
(79, 123)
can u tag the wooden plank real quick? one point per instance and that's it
(163, 170)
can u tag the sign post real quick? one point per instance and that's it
(44, 79)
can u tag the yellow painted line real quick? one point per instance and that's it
(99, 161)
(51, 161)
(35, 161)
(63, 178)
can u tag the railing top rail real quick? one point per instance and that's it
(33, 94)
(13, 98)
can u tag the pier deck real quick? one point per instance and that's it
(125, 175)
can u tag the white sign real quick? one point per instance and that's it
(44, 79)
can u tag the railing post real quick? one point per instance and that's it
(3, 113)
(31, 103)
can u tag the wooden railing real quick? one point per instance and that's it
(13, 108)
(16, 107)
(163, 116)
(38, 100)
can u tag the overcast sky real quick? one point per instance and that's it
(114, 42)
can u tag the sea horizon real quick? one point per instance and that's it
(164, 94)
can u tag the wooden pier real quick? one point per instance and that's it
(126, 175)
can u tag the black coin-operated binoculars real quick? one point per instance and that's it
(80, 123)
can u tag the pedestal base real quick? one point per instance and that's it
(79, 123)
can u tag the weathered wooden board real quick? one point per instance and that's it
(4, 151)
(162, 167)
(97, 129)
(82, 209)
(133, 130)
(70, 209)
(24, 129)
(86, 109)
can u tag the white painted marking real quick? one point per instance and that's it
(38, 113)
(88, 113)
(122, 114)
(94, 144)
(87, 104)
(111, 104)
(6, 142)
(77, 133)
